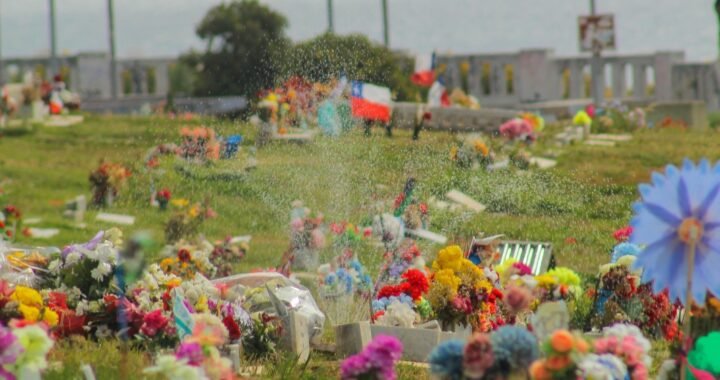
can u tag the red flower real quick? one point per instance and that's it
(423, 208)
(184, 255)
(70, 323)
(399, 200)
(232, 327)
(570, 240)
(378, 314)
(164, 194)
(393, 290)
(111, 303)
(337, 228)
(153, 322)
(417, 283)
(2, 224)
(166, 300)
(9, 233)
(57, 300)
(623, 234)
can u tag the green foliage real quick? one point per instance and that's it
(329, 56)
(245, 45)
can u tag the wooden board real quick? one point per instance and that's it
(463, 199)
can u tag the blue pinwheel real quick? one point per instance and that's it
(678, 212)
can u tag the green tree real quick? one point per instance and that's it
(245, 46)
(329, 56)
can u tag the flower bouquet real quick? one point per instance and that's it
(472, 153)
(10, 222)
(163, 198)
(185, 260)
(377, 361)
(460, 293)
(306, 237)
(106, 181)
(186, 222)
(226, 254)
(23, 350)
(344, 289)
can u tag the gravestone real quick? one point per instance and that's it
(75, 209)
(693, 114)
(127, 220)
(538, 256)
(463, 199)
(352, 338)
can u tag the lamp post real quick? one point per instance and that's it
(53, 40)
(113, 63)
(386, 33)
(596, 67)
(331, 27)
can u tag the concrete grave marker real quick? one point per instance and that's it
(43, 233)
(75, 209)
(463, 199)
(600, 143)
(550, 317)
(543, 163)
(115, 218)
(427, 235)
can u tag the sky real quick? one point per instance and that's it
(165, 28)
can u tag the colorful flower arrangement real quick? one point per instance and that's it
(622, 352)
(376, 362)
(306, 237)
(226, 254)
(414, 213)
(107, 180)
(507, 351)
(186, 221)
(163, 198)
(460, 293)
(10, 222)
(472, 153)
(185, 260)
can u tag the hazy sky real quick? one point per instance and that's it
(148, 28)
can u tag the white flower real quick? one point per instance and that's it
(82, 307)
(55, 266)
(102, 270)
(103, 332)
(72, 258)
(398, 314)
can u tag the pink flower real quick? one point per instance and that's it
(517, 298)
(297, 224)
(478, 356)
(640, 372)
(623, 234)
(153, 322)
(522, 269)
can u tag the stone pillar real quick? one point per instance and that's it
(576, 79)
(618, 80)
(664, 62)
(639, 82)
(475, 78)
(162, 78)
(534, 75)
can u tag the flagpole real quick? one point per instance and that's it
(331, 26)
(386, 33)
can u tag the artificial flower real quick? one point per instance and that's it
(446, 360)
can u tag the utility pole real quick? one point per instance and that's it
(331, 27)
(53, 41)
(386, 32)
(598, 87)
(113, 63)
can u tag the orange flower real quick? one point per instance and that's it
(582, 345)
(557, 363)
(562, 341)
(538, 371)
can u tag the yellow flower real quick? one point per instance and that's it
(194, 211)
(582, 118)
(180, 202)
(453, 153)
(449, 258)
(481, 148)
(27, 296)
(175, 282)
(30, 313)
(565, 276)
(484, 284)
(448, 278)
(201, 305)
(546, 280)
(166, 263)
(50, 317)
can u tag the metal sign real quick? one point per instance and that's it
(597, 32)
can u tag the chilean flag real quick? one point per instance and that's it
(424, 74)
(370, 102)
(438, 96)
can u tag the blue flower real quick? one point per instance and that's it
(515, 346)
(624, 249)
(330, 279)
(446, 359)
(679, 208)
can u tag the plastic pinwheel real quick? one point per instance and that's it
(678, 223)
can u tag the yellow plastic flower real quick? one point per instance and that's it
(582, 118)
(30, 313)
(180, 202)
(447, 278)
(565, 276)
(27, 296)
(449, 258)
(194, 211)
(201, 305)
(546, 280)
(50, 317)
(175, 282)
(166, 263)
(454, 153)
(484, 284)
(481, 148)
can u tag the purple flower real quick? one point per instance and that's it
(91, 245)
(9, 347)
(192, 352)
(377, 359)
(188, 305)
(678, 209)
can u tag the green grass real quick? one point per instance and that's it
(585, 198)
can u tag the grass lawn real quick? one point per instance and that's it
(584, 198)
